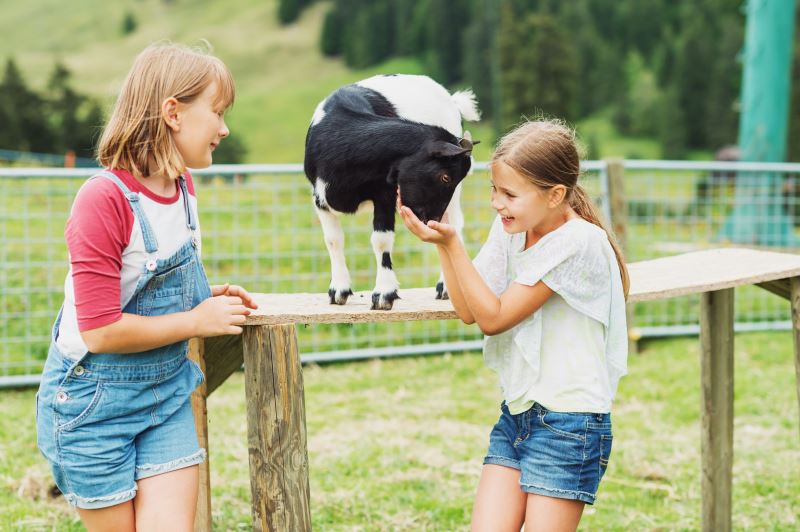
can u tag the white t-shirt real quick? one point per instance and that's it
(570, 354)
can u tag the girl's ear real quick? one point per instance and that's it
(557, 195)
(169, 112)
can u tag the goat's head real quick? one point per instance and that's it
(428, 178)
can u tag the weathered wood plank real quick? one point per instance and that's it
(689, 273)
(202, 521)
(795, 300)
(276, 429)
(716, 341)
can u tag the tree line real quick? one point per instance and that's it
(661, 69)
(59, 119)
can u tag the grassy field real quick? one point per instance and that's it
(397, 445)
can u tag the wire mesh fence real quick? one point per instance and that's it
(259, 230)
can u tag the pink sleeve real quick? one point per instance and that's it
(189, 183)
(97, 232)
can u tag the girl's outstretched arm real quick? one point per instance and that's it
(492, 314)
(454, 287)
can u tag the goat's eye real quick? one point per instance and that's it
(445, 178)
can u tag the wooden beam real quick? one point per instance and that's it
(795, 291)
(780, 287)
(202, 521)
(716, 340)
(276, 429)
(223, 357)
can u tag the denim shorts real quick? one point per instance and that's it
(558, 454)
(103, 427)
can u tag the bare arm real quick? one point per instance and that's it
(474, 298)
(224, 313)
(454, 288)
(494, 314)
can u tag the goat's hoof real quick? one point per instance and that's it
(441, 291)
(383, 301)
(339, 297)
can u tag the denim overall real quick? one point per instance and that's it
(108, 420)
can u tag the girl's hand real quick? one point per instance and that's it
(234, 290)
(434, 232)
(219, 315)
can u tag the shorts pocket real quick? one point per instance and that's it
(568, 425)
(201, 378)
(605, 451)
(75, 401)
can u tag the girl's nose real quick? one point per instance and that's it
(224, 131)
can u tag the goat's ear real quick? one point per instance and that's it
(391, 177)
(444, 149)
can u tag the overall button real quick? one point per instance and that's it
(151, 265)
(194, 241)
(78, 371)
(62, 397)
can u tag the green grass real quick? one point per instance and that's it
(397, 445)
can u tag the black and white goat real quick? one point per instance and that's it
(368, 139)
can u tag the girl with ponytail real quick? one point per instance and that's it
(548, 290)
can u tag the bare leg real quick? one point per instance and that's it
(168, 502)
(550, 514)
(340, 287)
(499, 503)
(114, 518)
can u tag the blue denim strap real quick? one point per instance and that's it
(190, 221)
(150, 242)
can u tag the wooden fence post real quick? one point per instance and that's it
(716, 341)
(618, 207)
(794, 291)
(202, 521)
(276, 429)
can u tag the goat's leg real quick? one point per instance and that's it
(455, 217)
(386, 285)
(340, 288)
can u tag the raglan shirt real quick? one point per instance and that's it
(107, 252)
(570, 354)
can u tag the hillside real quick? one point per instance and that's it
(280, 74)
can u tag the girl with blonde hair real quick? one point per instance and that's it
(114, 416)
(548, 290)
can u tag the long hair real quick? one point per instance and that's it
(546, 153)
(136, 133)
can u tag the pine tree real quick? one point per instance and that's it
(476, 64)
(63, 104)
(32, 132)
(538, 67)
(129, 23)
(446, 22)
(331, 38)
(288, 11)
(672, 128)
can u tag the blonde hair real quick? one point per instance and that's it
(546, 153)
(136, 133)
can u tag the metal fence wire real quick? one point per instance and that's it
(259, 230)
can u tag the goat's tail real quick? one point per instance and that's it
(467, 105)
